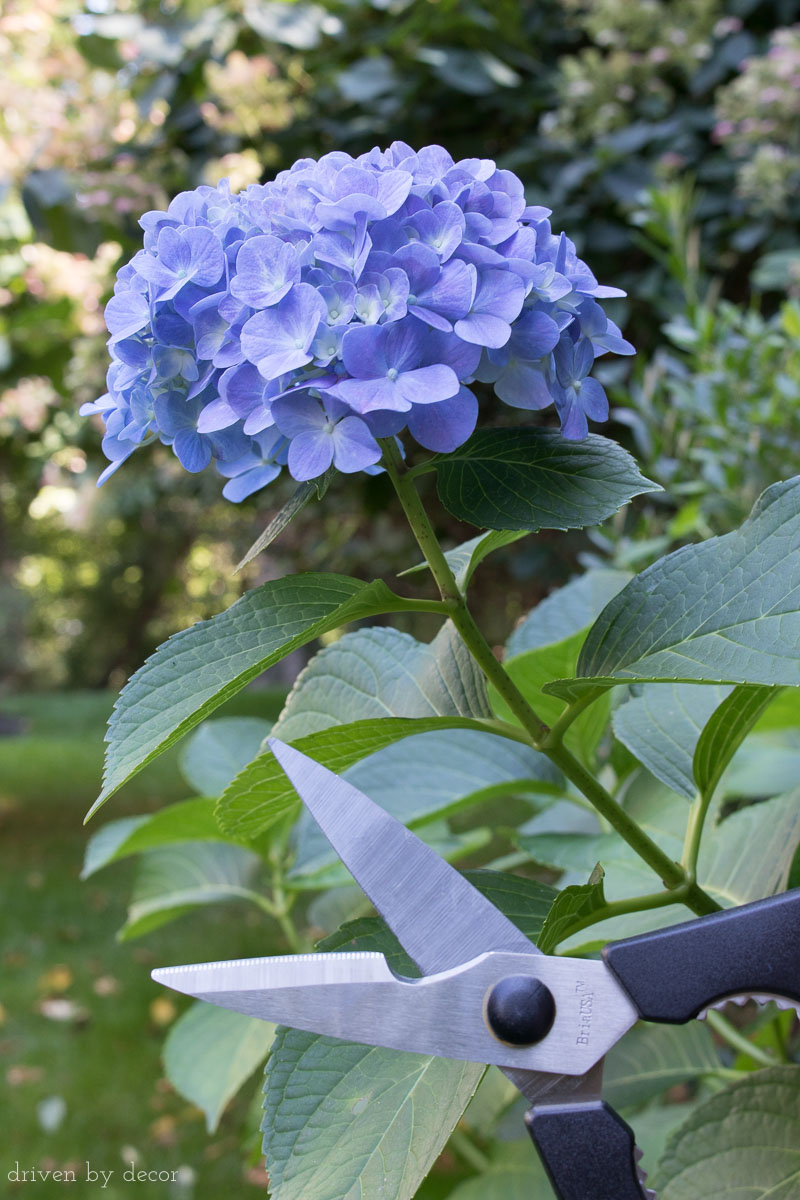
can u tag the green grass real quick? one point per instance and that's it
(105, 1066)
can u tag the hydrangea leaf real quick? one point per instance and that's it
(571, 906)
(175, 879)
(744, 1140)
(382, 672)
(536, 479)
(725, 732)
(350, 1121)
(261, 794)
(209, 1053)
(724, 611)
(567, 610)
(218, 750)
(188, 821)
(652, 1058)
(386, 1114)
(196, 670)
(661, 727)
(771, 758)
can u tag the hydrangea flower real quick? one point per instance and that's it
(297, 322)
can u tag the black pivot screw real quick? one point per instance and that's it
(520, 1010)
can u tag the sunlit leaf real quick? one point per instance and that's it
(210, 1052)
(197, 669)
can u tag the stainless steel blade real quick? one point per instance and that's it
(357, 997)
(440, 919)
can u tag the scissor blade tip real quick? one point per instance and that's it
(173, 977)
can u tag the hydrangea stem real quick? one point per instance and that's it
(671, 873)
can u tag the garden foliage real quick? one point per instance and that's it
(606, 769)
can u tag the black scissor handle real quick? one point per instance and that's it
(673, 974)
(587, 1150)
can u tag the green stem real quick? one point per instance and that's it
(570, 713)
(730, 1034)
(542, 738)
(694, 834)
(619, 908)
(778, 1039)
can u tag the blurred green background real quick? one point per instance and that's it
(666, 138)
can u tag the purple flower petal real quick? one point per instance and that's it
(127, 313)
(483, 329)
(523, 385)
(446, 425)
(244, 485)
(427, 385)
(298, 414)
(216, 415)
(354, 447)
(310, 455)
(278, 339)
(593, 400)
(266, 268)
(192, 450)
(364, 352)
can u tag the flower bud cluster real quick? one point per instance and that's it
(298, 321)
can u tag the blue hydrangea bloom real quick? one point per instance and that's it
(297, 322)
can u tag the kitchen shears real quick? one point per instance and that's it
(487, 994)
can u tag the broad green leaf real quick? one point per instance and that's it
(569, 909)
(531, 479)
(765, 765)
(218, 750)
(386, 1114)
(533, 670)
(515, 1173)
(382, 672)
(748, 855)
(284, 516)
(567, 610)
(463, 559)
(193, 672)
(187, 821)
(725, 732)
(435, 775)
(652, 1058)
(261, 793)
(724, 611)
(103, 846)
(209, 1053)
(176, 879)
(743, 1142)
(354, 1121)
(661, 726)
